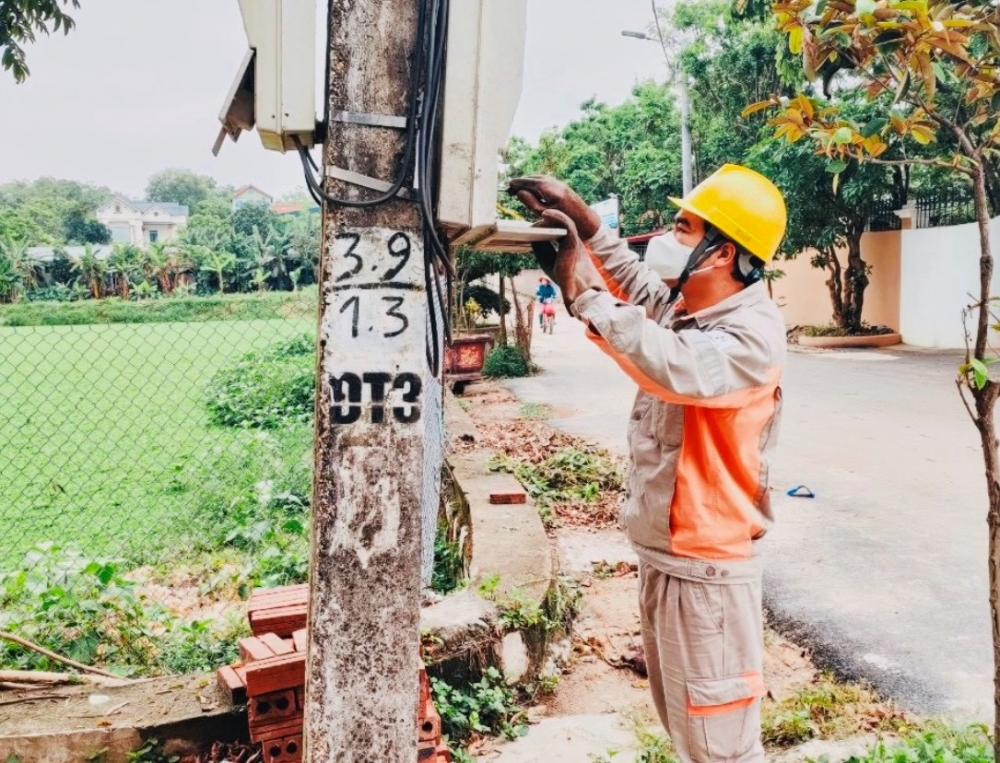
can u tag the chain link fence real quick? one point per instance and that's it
(140, 439)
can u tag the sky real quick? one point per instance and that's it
(138, 85)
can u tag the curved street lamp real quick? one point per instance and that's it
(678, 77)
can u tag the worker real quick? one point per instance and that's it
(695, 328)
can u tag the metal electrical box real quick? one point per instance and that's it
(275, 88)
(483, 79)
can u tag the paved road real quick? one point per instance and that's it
(884, 573)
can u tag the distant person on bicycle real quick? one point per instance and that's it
(546, 296)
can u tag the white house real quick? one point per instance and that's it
(251, 194)
(142, 222)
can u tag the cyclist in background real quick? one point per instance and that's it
(546, 295)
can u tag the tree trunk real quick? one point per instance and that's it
(522, 332)
(503, 312)
(836, 286)
(855, 283)
(985, 400)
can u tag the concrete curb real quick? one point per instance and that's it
(462, 634)
(181, 712)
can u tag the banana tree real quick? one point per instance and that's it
(216, 262)
(11, 281)
(16, 253)
(125, 266)
(93, 271)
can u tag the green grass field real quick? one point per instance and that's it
(104, 438)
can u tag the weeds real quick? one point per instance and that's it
(449, 565)
(534, 411)
(150, 752)
(519, 612)
(570, 475)
(266, 389)
(938, 744)
(650, 747)
(84, 609)
(202, 646)
(485, 707)
(90, 611)
(826, 710)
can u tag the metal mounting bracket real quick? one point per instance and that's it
(371, 120)
(356, 178)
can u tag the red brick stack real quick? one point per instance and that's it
(430, 746)
(270, 679)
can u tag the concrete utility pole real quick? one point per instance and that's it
(378, 417)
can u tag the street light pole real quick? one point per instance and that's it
(679, 78)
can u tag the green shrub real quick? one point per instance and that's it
(485, 707)
(202, 646)
(504, 362)
(90, 611)
(266, 389)
(449, 566)
(175, 309)
(82, 608)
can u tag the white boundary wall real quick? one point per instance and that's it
(940, 278)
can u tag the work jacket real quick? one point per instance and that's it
(705, 420)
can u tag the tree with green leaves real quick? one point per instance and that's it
(304, 232)
(253, 217)
(932, 69)
(737, 59)
(52, 211)
(180, 187)
(21, 21)
(632, 150)
(830, 209)
(81, 227)
(166, 263)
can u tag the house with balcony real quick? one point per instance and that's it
(142, 222)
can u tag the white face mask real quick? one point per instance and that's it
(667, 257)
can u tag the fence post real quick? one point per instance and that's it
(378, 435)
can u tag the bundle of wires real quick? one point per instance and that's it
(419, 164)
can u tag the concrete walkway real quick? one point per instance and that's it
(884, 572)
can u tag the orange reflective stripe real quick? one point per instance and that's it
(614, 287)
(710, 710)
(738, 398)
(713, 512)
(755, 688)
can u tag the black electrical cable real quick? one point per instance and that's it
(419, 161)
(412, 130)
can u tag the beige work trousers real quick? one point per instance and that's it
(704, 646)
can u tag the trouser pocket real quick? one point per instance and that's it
(724, 718)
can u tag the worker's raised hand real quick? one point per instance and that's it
(572, 270)
(542, 192)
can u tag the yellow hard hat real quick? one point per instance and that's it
(744, 205)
